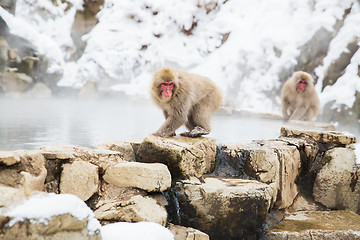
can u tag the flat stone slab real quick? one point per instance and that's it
(184, 156)
(151, 177)
(320, 136)
(317, 225)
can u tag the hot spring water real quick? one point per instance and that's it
(32, 123)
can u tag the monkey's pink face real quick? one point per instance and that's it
(167, 88)
(301, 85)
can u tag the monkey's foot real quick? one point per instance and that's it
(196, 132)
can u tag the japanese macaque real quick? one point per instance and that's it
(299, 98)
(185, 98)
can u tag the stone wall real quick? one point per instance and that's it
(193, 186)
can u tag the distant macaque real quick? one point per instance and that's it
(299, 98)
(185, 98)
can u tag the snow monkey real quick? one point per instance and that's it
(185, 98)
(299, 98)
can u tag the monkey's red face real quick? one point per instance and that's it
(167, 88)
(301, 85)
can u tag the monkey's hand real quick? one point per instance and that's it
(160, 134)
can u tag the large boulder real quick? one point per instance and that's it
(337, 184)
(273, 162)
(12, 82)
(224, 208)
(49, 216)
(151, 177)
(184, 156)
(317, 225)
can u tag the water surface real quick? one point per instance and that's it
(32, 123)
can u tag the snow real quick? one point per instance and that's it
(135, 231)
(41, 207)
(264, 40)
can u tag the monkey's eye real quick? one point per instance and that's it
(303, 82)
(169, 84)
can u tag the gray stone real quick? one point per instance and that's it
(151, 177)
(273, 162)
(14, 82)
(337, 184)
(224, 208)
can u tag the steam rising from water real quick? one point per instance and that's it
(31, 123)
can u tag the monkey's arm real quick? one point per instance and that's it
(175, 117)
(169, 127)
(285, 106)
(299, 112)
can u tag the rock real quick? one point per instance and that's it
(49, 216)
(187, 233)
(10, 196)
(224, 208)
(58, 155)
(337, 184)
(89, 90)
(39, 90)
(29, 174)
(123, 147)
(110, 193)
(334, 137)
(27, 65)
(135, 209)
(9, 158)
(338, 66)
(4, 47)
(272, 162)
(184, 156)
(9, 5)
(79, 178)
(151, 177)
(99, 157)
(317, 225)
(14, 82)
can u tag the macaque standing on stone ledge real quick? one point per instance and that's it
(185, 98)
(299, 99)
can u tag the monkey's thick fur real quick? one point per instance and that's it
(297, 105)
(193, 102)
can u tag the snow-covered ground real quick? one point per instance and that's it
(265, 36)
(41, 207)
